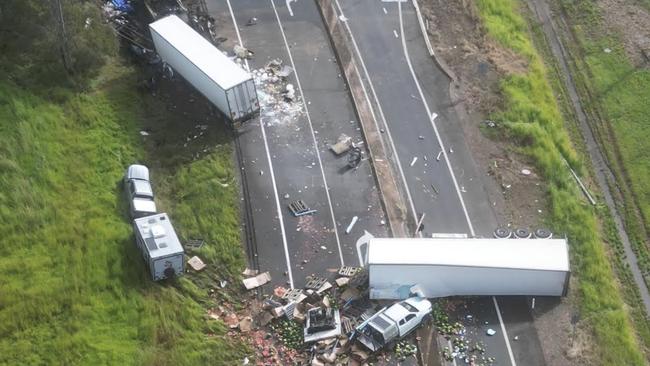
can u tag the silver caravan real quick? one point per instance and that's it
(159, 246)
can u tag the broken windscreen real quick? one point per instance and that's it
(409, 307)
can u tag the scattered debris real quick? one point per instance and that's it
(246, 324)
(194, 244)
(299, 208)
(354, 157)
(354, 221)
(294, 295)
(348, 271)
(526, 172)
(415, 158)
(343, 144)
(403, 350)
(322, 323)
(251, 21)
(243, 52)
(342, 281)
(257, 281)
(279, 103)
(144, 133)
(196, 263)
(250, 272)
(491, 332)
(231, 320)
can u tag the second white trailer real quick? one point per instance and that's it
(229, 87)
(457, 267)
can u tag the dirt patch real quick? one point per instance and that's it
(632, 23)
(479, 63)
(518, 194)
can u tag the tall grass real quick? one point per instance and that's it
(73, 289)
(533, 120)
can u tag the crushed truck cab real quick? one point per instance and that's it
(393, 323)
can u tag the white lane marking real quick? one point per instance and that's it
(288, 2)
(313, 135)
(433, 123)
(503, 329)
(381, 114)
(471, 228)
(268, 157)
(422, 27)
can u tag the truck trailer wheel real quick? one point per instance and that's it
(502, 233)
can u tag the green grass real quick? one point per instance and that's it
(73, 289)
(629, 289)
(535, 124)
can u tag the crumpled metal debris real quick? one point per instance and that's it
(243, 52)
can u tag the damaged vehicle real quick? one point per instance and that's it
(322, 323)
(138, 191)
(393, 323)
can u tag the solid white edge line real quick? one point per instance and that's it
(422, 27)
(381, 114)
(433, 123)
(503, 329)
(268, 156)
(313, 135)
(444, 152)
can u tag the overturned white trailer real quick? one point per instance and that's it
(443, 267)
(229, 87)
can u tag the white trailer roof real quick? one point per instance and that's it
(200, 52)
(158, 235)
(533, 254)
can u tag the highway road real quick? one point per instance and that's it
(411, 98)
(282, 162)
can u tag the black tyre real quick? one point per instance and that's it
(502, 233)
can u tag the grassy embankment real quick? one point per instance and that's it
(532, 119)
(618, 94)
(73, 288)
(631, 294)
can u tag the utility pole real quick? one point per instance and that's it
(57, 13)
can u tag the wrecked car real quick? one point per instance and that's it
(393, 323)
(322, 323)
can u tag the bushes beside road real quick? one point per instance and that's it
(532, 119)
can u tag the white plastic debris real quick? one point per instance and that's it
(354, 221)
(491, 332)
(144, 133)
(415, 158)
(526, 172)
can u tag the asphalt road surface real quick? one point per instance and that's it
(413, 97)
(280, 160)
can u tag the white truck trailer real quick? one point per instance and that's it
(157, 241)
(213, 74)
(398, 267)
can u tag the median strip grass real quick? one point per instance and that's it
(532, 119)
(73, 287)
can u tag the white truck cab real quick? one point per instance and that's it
(393, 323)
